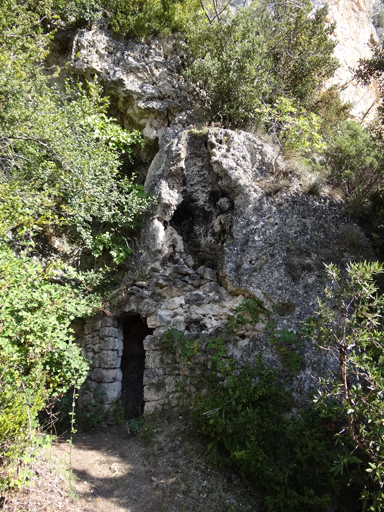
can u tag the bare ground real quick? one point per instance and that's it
(163, 469)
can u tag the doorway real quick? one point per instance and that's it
(132, 365)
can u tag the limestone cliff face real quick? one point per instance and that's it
(354, 29)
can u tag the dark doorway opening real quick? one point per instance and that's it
(133, 364)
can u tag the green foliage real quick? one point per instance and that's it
(59, 152)
(372, 68)
(251, 429)
(76, 12)
(355, 160)
(38, 356)
(59, 176)
(349, 325)
(181, 347)
(138, 18)
(230, 64)
(253, 57)
(246, 414)
(290, 345)
(249, 312)
(294, 128)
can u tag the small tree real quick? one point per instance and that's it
(349, 326)
(253, 55)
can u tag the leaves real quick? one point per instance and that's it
(349, 325)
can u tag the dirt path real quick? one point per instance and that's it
(110, 470)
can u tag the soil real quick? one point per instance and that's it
(162, 469)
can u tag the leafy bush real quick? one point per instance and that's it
(349, 325)
(59, 175)
(38, 356)
(251, 428)
(354, 158)
(59, 152)
(138, 18)
(76, 12)
(256, 55)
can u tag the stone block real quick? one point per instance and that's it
(110, 344)
(156, 391)
(152, 343)
(188, 260)
(107, 375)
(112, 332)
(108, 392)
(92, 325)
(151, 407)
(154, 359)
(148, 307)
(108, 322)
(175, 399)
(182, 269)
(152, 376)
(109, 359)
(195, 298)
(88, 340)
(159, 319)
(207, 273)
(171, 383)
(174, 303)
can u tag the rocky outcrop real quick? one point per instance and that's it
(143, 79)
(218, 233)
(231, 221)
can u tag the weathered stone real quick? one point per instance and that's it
(107, 375)
(151, 93)
(194, 298)
(152, 376)
(207, 273)
(268, 249)
(112, 332)
(155, 391)
(110, 344)
(174, 303)
(159, 319)
(153, 359)
(108, 392)
(171, 383)
(91, 326)
(108, 322)
(151, 407)
(152, 343)
(109, 359)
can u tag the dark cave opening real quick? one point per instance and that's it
(132, 365)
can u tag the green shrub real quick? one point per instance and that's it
(39, 359)
(138, 18)
(354, 158)
(77, 12)
(60, 154)
(258, 54)
(251, 428)
(349, 326)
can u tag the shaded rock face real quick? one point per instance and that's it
(143, 80)
(214, 237)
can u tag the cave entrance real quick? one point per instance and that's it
(132, 365)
